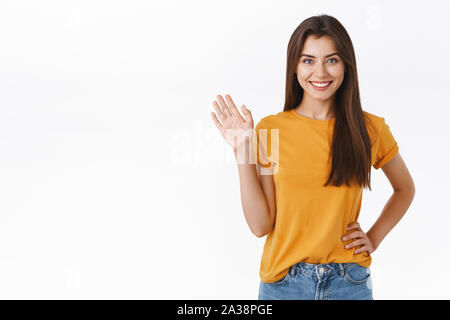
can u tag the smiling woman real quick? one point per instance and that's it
(306, 65)
(313, 160)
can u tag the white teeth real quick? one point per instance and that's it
(321, 84)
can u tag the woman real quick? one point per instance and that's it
(313, 160)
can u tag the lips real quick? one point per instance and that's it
(320, 84)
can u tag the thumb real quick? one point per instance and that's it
(247, 113)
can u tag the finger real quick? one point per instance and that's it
(353, 225)
(233, 108)
(355, 243)
(247, 115)
(219, 111)
(362, 249)
(348, 236)
(216, 121)
(353, 235)
(224, 106)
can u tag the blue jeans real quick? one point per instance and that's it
(332, 281)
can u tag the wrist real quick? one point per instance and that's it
(373, 239)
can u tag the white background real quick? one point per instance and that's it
(114, 181)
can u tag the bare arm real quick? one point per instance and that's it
(257, 198)
(268, 187)
(259, 214)
(397, 205)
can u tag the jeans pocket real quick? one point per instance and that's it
(356, 274)
(284, 279)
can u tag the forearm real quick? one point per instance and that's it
(393, 211)
(253, 200)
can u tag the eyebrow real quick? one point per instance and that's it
(308, 55)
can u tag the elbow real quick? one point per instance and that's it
(409, 190)
(412, 189)
(259, 234)
(265, 228)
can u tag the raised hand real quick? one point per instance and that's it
(231, 122)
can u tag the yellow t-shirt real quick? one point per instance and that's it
(310, 218)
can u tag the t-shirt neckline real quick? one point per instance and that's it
(312, 121)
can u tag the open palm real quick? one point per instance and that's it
(232, 122)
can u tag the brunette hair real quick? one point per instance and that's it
(351, 147)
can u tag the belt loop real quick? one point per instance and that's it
(341, 269)
(292, 271)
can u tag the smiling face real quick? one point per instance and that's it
(319, 64)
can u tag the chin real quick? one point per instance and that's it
(319, 96)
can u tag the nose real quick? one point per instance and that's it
(320, 71)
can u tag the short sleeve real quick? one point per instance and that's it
(387, 146)
(262, 147)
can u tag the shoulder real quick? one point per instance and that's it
(272, 120)
(374, 124)
(376, 119)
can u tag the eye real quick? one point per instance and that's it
(306, 60)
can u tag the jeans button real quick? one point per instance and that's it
(321, 270)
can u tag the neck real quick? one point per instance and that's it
(316, 109)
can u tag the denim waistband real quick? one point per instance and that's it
(321, 269)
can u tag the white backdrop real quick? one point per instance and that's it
(114, 181)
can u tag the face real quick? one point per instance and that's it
(319, 63)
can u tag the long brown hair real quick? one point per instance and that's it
(350, 148)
